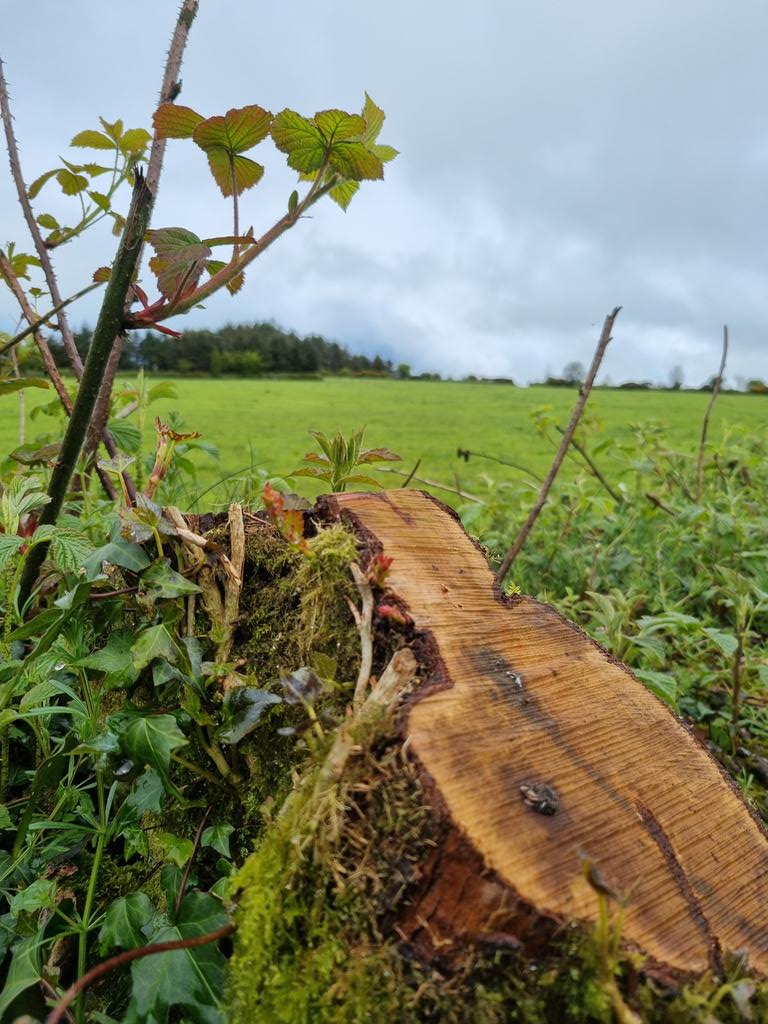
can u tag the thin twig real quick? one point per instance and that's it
(413, 472)
(122, 959)
(188, 865)
(592, 465)
(363, 621)
(43, 320)
(578, 409)
(464, 453)
(705, 425)
(658, 503)
(430, 483)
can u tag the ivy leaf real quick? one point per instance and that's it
(71, 183)
(243, 709)
(90, 139)
(147, 795)
(301, 139)
(155, 642)
(161, 581)
(118, 552)
(174, 121)
(179, 260)
(124, 922)
(176, 849)
(217, 836)
(184, 977)
(148, 740)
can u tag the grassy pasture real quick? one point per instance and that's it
(264, 422)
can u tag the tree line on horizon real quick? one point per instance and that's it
(253, 350)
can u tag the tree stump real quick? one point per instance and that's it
(539, 750)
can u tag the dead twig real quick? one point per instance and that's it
(595, 470)
(465, 453)
(364, 622)
(716, 384)
(430, 483)
(578, 409)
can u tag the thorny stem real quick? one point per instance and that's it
(705, 425)
(122, 959)
(578, 409)
(108, 325)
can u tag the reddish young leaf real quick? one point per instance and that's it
(173, 121)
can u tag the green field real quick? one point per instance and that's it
(264, 422)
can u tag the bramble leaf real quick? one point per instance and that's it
(353, 160)
(69, 548)
(174, 121)
(344, 193)
(38, 183)
(19, 383)
(135, 140)
(232, 169)
(301, 139)
(179, 260)
(338, 126)
(90, 139)
(48, 221)
(113, 129)
(240, 129)
(71, 183)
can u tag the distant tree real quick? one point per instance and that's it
(676, 377)
(403, 371)
(574, 372)
(757, 387)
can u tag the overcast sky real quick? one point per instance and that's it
(557, 158)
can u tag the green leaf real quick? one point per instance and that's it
(5, 819)
(179, 260)
(100, 199)
(147, 795)
(113, 129)
(9, 547)
(148, 740)
(69, 549)
(185, 977)
(161, 581)
(28, 455)
(173, 121)
(155, 642)
(24, 971)
(114, 659)
(374, 120)
(237, 131)
(293, 201)
(660, 683)
(124, 923)
(127, 437)
(338, 126)
(217, 836)
(224, 165)
(135, 141)
(19, 383)
(175, 849)
(71, 184)
(343, 194)
(40, 894)
(300, 139)
(38, 183)
(118, 552)
(353, 160)
(90, 139)
(243, 709)
(727, 642)
(48, 221)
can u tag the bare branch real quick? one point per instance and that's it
(43, 320)
(716, 384)
(430, 483)
(578, 409)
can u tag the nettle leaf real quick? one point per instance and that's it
(217, 836)
(726, 642)
(180, 259)
(660, 683)
(71, 183)
(124, 922)
(90, 139)
(148, 740)
(243, 709)
(174, 121)
(192, 977)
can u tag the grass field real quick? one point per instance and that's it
(265, 422)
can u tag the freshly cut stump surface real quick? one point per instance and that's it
(538, 749)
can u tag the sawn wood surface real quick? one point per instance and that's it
(520, 697)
